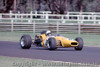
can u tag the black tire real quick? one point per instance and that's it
(51, 43)
(80, 41)
(25, 41)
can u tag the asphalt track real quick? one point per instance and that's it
(87, 55)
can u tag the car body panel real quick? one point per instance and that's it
(60, 40)
(65, 42)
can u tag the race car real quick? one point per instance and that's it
(51, 42)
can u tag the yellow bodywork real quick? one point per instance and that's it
(65, 42)
(43, 39)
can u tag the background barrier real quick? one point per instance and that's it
(73, 22)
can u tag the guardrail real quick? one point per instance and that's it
(78, 22)
(79, 17)
(54, 27)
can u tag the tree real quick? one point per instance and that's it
(7, 4)
(76, 5)
(93, 6)
(57, 6)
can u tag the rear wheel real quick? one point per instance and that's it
(25, 42)
(51, 44)
(80, 41)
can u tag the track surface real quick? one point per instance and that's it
(87, 55)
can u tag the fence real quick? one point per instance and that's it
(77, 22)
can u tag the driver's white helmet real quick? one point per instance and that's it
(48, 32)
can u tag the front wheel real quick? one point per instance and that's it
(51, 43)
(80, 41)
(25, 42)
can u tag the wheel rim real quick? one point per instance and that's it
(22, 42)
(48, 45)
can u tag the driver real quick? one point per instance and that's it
(48, 33)
(45, 35)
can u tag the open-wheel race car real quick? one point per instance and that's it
(51, 42)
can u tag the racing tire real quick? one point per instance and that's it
(25, 41)
(51, 45)
(80, 46)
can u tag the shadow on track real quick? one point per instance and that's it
(58, 49)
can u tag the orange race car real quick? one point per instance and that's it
(52, 42)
